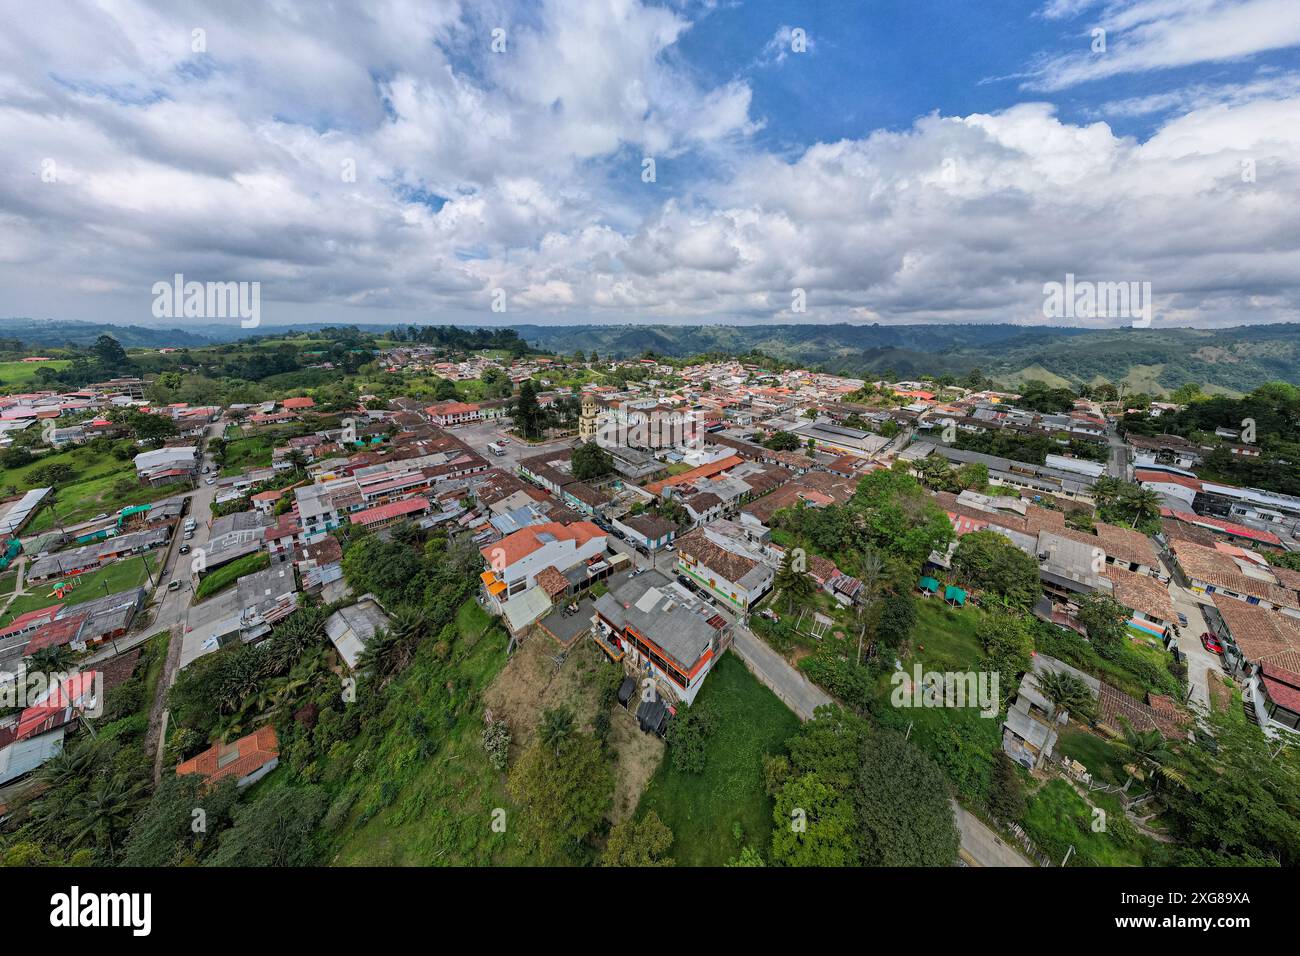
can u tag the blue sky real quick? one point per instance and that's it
(920, 161)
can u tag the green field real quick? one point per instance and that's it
(702, 809)
(16, 376)
(118, 576)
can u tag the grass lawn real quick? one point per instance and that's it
(118, 576)
(245, 453)
(1104, 760)
(226, 575)
(1058, 818)
(701, 809)
(85, 499)
(16, 376)
(944, 637)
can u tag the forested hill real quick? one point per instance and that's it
(1229, 360)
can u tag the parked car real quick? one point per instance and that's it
(670, 547)
(100, 517)
(1211, 643)
(188, 535)
(1182, 619)
(175, 585)
(210, 481)
(687, 583)
(185, 549)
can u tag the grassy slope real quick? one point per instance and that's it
(435, 812)
(701, 809)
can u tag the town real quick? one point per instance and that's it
(596, 591)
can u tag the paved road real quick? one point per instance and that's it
(1118, 464)
(980, 846)
(799, 693)
(1199, 660)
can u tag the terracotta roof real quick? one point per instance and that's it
(1127, 545)
(1116, 708)
(1141, 592)
(1262, 636)
(239, 759)
(393, 509)
(525, 541)
(552, 581)
(696, 544)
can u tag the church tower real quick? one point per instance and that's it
(587, 420)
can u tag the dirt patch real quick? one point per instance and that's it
(532, 682)
(1220, 693)
(639, 756)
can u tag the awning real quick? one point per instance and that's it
(955, 594)
(496, 587)
(928, 584)
(487, 577)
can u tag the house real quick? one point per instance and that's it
(1262, 649)
(166, 465)
(516, 560)
(1147, 600)
(246, 760)
(390, 513)
(37, 735)
(1215, 571)
(728, 566)
(659, 630)
(1029, 732)
(297, 404)
(453, 413)
(647, 531)
(351, 628)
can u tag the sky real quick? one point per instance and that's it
(683, 161)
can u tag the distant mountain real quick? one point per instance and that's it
(1231, 360)
(37, 332)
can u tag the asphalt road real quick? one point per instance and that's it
(980, 846)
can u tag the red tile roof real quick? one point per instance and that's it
(250, 754)
(394, 509)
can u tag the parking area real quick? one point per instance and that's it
(480, 434)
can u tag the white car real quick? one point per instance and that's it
(210, 481)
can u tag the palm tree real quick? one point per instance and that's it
(1066, 694)
(106, 809)
(872, 575)
(54, 658)
(557, 727)
(68, 766)
(1149, 751)
(1143, 504)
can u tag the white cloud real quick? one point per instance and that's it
(1149, 35)
(521, 170)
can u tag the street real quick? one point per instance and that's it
(1199, 660)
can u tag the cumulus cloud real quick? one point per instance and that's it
(390, 162)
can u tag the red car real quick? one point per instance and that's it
(1211, 643)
